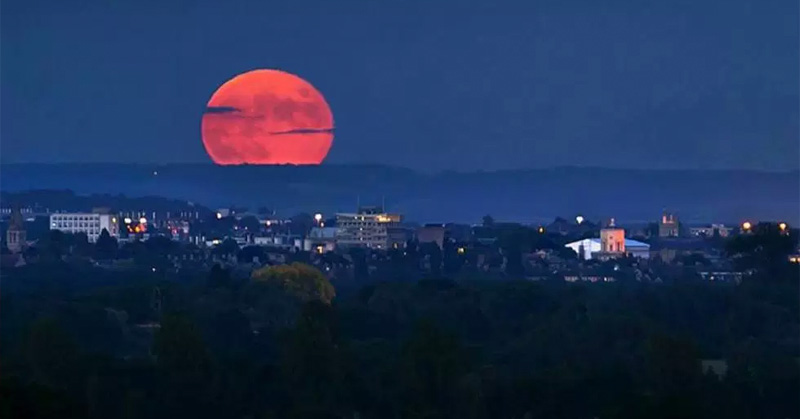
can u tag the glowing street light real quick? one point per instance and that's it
(128, 220)
(783, 226)
(143, 220)
(318, 217)
(747, 225)
(579, 219)
(219, 216)
(541, 230)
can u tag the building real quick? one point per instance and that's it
(612, 243)
(713, 230)
(322, 239)
(612, 239)
(668, 226)
(431, 233)
(397, 237)
(16, 237)
(367, 228)
(92, 224)
(592, 248)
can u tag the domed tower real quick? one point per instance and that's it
(16, 236)
(612, 239)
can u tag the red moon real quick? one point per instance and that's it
(267, 117)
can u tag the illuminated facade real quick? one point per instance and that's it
(367, 228)
(588, 249)
(668, 226)
(612, 239)
(90, 223)
(711, 231)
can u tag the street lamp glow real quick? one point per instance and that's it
(318, 217)
(219, 216)
(579, 219)
(143, 220)
(747, 225)
(128, 220)
(783, 226)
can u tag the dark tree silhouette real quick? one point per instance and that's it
(106, 247)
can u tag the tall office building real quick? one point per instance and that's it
(366, 228)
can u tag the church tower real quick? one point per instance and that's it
(612, 239)
(16, 237)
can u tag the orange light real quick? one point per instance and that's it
(747, 225)
(783, 226)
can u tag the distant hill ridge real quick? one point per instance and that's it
(533, 195)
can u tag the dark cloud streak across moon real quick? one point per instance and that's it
(303, 131)
(222, 109)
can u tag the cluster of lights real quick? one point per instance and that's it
(782, 226)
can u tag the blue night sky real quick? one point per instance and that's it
(427, 85)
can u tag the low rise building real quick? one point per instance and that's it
(612, 243)
(431, 233)
(588, 249)
(322, 239)
(92, 224)
(713, 230)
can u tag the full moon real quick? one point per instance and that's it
(267, 117)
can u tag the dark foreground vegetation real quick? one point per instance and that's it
(79, 341)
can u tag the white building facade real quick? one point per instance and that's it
(586, 248)
(92, 224)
